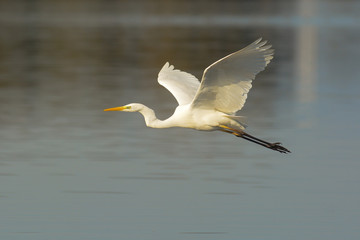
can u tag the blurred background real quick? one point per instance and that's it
(69, 170)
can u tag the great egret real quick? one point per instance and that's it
(211, 105)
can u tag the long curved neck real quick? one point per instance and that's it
(151, 120)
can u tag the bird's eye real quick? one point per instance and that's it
(128, 107)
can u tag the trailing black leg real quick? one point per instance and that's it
(274, 146)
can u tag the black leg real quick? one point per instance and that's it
(274, 146)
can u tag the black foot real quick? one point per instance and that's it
(277, 147)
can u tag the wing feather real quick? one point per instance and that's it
(226, 83)
(182, 85)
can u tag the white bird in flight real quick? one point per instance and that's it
(211, 104)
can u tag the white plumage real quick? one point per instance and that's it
(212, 104)
(181, 84)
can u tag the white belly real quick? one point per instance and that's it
(199, 119)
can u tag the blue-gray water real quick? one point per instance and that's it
(68, 170)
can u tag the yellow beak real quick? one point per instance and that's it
(116, 108)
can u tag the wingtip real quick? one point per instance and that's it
(263, 46)
(260, 43)
(166, 65)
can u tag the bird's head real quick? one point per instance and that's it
(132, 107)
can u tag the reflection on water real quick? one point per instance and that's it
(69, 168)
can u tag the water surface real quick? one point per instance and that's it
(69, 170)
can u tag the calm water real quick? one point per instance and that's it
(68, 170)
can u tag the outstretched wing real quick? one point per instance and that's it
(226, 82)
(181, 84)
